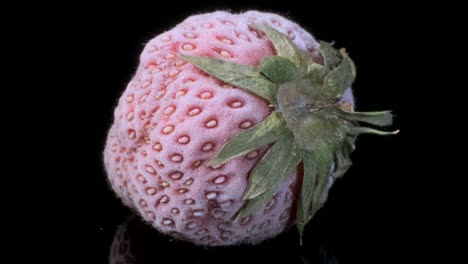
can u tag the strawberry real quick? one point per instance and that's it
(232, 127)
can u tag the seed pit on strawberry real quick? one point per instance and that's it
(182, 190)
(212, 123)
(176, 175)
(243, 37)
(131, 133)
(165, 38)
(246, 220)
(198, 212)
(189, 181)
(235, 103)
(188, 47)
(205, 238)
(129, 98)
(180, 63)
(224, 226)
(284, 215)
(189, 201)
(150, 169)
(159, 96)
(175, 210)
(167, 129)
(151, 215)
(220, 179)
(291, 35)
(194, 111)
(169, 56)
(151, 191)
(146, 84)
(206, 95)
(177, 158)
(159, 164)
(218, 213)
(141, 179)
(276, 23)
(225, 54)
(216, 167)
(151, 66)
(197, 164)
(207, 146)
(143, 203)
(190, 35)
(189, 80)
(264, 224)
(225, 234)
(270, 204)
(192, 225)
(142, 115)
(157, 146)
(169, 110)
(211, 195)
(224, 39)
(143, 99)
(246, 124)
(152, 49)
(201, 232)
(174, 73)
(180, 93)
(168, 222)
(163, 200)
(183, 139)
(226, 203)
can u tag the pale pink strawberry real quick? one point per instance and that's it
(172, 119)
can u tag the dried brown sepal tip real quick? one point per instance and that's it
(306, 126)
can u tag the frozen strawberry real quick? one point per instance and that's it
(232, 127)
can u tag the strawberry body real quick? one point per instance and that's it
(173, 118)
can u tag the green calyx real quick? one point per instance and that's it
(308, 125)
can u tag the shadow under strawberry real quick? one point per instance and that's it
(137, 242)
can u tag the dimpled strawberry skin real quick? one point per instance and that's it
(172, 119)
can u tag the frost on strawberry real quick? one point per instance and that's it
(210, 156)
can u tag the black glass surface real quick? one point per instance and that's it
(363, 219)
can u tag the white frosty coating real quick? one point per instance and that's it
(171, 120)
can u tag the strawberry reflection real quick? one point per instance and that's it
(136, 242)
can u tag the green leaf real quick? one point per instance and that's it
(242, 76)
(355, 131)
(283, 45)
(307, 191)
(274, 167)
(264, 133)
(380, 118)
(317, 131)
(316, 72)
(339, 79)
(343, 161)
(279, 69)
(331, 56)
(254, 204)
(323, 163)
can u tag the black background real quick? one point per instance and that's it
(367, 218)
